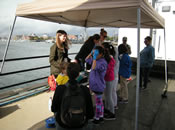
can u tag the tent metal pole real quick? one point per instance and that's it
(85, 34)
(8, 42)
(138, 67)
(166, 77)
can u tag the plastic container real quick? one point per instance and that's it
(50, 122)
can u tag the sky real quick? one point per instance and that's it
(29, 26)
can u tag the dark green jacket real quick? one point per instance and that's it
(56, 57)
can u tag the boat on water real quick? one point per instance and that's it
(49, 41)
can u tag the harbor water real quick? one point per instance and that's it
(27, 49)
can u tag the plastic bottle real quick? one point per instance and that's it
(50, 103)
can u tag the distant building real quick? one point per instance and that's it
(73, 37)
(33, 35)
(45, 36)
(17, 37)
(24, 37)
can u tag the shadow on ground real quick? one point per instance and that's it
(4, 111)
(40, 126)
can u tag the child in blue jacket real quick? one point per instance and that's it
(125, 73)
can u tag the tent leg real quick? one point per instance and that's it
(8, 42)
(138, 67)
(85, 34)
(164, 94)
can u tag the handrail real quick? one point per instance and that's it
(25, 58)
(23, 82)
(14, 72)
(33, 57)
(26, 70)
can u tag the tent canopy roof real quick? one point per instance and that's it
(92, 13)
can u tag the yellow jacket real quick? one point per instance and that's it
(62, 79)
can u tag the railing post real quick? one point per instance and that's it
(5, 53)
(164, 95)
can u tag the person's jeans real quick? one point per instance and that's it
(144, 75)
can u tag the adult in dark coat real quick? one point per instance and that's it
(86, 49)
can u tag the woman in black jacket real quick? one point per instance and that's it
(86, 49)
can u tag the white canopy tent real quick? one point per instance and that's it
(92, 13)
(96, 13)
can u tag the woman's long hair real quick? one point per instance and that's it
(94, 37)
(58, 42)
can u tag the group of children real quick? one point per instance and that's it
(106, 67)
(103, 79)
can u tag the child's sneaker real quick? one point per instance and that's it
(96, 121)
(129, 79)
(143, 88)
(110, 116)
(124, 102)
(106, 112)
(100, 121)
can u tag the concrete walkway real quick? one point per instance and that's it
(155, 113)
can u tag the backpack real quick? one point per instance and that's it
(73, 107)
(52, 82)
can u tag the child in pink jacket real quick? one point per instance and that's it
(109, 77)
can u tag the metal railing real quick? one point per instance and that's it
(26, 70)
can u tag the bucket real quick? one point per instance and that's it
(50, 122)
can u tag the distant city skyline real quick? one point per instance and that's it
(27, 26)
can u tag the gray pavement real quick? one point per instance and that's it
(155, 112)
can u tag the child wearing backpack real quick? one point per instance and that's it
(72, 104)
(96, 80)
